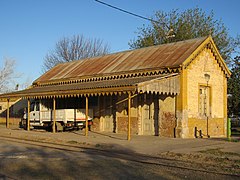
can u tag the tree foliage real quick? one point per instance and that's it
(7, 76)
(74, 48)
(234, 88)
(177, 26)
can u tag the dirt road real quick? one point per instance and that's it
(71, 155)
(35, 160)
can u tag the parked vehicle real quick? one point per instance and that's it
(42, 116)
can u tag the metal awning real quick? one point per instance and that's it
(169, 84)
(151, 84)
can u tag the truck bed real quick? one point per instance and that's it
(66, 115)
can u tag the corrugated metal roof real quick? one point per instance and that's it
(154, 57)
(90, 87)
(128, 71)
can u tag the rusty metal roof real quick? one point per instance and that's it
(154, 57)
(109, 86)
(129, 71)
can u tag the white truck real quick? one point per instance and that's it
(42, 116)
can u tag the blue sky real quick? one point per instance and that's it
(30, 28)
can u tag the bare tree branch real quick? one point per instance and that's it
(75, 48)
(8, 76)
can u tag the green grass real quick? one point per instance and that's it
(234, 140)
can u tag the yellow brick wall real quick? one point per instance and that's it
(167, 103)
(116, 110)
(167, 116)
(122, 106)
(122, 114)
(205, 63)
(215, 126)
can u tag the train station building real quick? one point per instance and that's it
(170, 90)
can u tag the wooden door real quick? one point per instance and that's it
(148, 115)
(108, 116)
(108, 123)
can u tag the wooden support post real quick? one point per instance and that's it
(129, 117)
(86, 123)
(7, 118)
(54, 115)
(28, 115)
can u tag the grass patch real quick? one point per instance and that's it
(234, 139)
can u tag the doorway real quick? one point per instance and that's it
(147, 105)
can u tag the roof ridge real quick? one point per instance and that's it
(138, 49)
(170, 55)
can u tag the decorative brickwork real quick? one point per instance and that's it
(167, 120)
(122, 124)
(167, 124)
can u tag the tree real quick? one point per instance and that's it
(177, 26)
(234, 88)
(8, 76)
(74, 48)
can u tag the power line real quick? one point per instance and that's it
(133, 14)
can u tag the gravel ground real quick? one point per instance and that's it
(214, 155)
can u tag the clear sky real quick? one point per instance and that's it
(30, 28)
